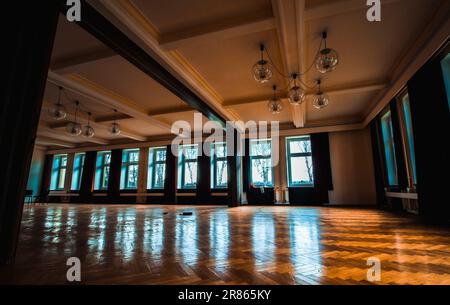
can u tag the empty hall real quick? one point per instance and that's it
(213, 142)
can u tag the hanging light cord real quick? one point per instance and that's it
(300, 74)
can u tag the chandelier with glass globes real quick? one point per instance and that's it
(59, 112)
(326, 61)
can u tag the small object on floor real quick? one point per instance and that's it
(186, 214)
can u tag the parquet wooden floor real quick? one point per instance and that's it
(139, 244)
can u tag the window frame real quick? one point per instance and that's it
(126, 164)
(269, 157)
(58, 172)
(102, 167)
(383, 114)
(80, 171)
(153, 152)
(407, 135)
(290, 155)
(214, 160)
(181, 166)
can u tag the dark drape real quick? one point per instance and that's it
(46, 175)
(204, 176)
(87, 180)
(323, 181)
(114, 175)
(170, 184)
(378, 164)
(246, 166)
(431, 120)
(234, 170)
(28, 31)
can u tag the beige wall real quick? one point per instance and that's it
(352, 168)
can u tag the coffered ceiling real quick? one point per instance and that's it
(211, 46)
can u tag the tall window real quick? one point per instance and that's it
(445, 64)
(299, 162)
(219, 172)
(261, 162)
(406, 110)
(59, 169)
(78, 164)
(157, 168)
(187, 167)
(130, 169)
(389, 148)
(102, 170)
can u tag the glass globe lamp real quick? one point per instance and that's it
(58, 112)
(74, 129)
(114, 129)
(321, 100)
(88, 131)
(327, 60)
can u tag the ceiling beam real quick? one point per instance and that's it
(44, 141)
(134, 22)
(334, 8)
(104, 30)
(331, 91)
(289, 16)
(219, 30)
(103, 96)
(45, 131)
(174, 110)
(82, 58)
(111, 118)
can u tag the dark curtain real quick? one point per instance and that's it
(46, 175)
(323, 181)
(204, 176)
(378, 164)
(170, 184)
(431, 120)
(114, 175)
(87, 180)
(28, 32)
(246, 166)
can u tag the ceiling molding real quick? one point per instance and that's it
(44, 141)
(434, 35)
(337, 8)
(82, 58)
(220, 30)
(89, 89)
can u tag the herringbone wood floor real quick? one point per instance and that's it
(248, 245)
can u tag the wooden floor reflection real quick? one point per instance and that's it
(249, 245)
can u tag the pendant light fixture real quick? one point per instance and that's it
(261, 70)
(88, 131)
(296, 93)
(114, 129)
(74, 128)
(321, 100)
(58, 112)
(327, 59)
(275, 106)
